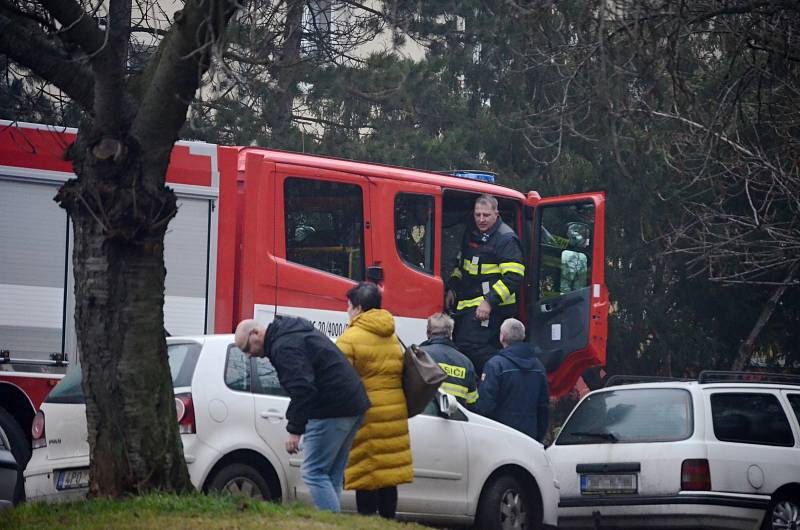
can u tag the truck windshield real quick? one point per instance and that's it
(182, 361)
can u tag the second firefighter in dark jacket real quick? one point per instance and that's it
(514, 388)
(461, 382)
(484, 284)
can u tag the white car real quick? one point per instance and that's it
(467, 469)
(721, 452)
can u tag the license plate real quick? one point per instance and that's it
(72, 478)
(608, 483)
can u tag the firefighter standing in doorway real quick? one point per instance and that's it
(482, 289)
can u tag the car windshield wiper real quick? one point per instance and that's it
(602, 435)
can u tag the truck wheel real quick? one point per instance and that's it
(783, 513)
(505, 505)
(242, 480)
(20, 447)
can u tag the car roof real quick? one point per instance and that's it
(691, 385)
(202, 339)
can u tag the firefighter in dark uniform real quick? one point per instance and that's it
(462, 381)
(482, 288)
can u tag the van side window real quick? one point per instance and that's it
(413, 230)
(750, 419)
(324, 223)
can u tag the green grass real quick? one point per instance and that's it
(171, 512)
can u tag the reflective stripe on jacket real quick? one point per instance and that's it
(461, 381)
(489, 267)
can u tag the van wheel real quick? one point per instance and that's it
(241, 480)
(783, 513)
(19, 445)
(505, 505)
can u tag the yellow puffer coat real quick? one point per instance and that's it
(381, 453)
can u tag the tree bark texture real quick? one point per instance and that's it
(120, 208)
(118, 261)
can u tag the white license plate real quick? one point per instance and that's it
(72, 478)
(608, 483)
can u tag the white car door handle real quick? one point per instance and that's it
(272, 414)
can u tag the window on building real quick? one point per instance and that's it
(324, 223)
(750, 419)
(413, 228)
(318, 25)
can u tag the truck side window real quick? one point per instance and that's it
(413, 229)
(324, 223)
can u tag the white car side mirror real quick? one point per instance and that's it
(447, 404)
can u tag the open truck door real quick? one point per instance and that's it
(567, 299)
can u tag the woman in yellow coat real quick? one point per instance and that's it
(380, 458)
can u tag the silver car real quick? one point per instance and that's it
(721, 452)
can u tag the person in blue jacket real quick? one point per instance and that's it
(513, 388)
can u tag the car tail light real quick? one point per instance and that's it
(695, 475)
(37, 431)
(184, 409)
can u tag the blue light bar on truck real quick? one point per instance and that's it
(475, 175)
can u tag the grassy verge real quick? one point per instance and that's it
(171, 512)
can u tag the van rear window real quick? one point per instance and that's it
(630, 416)
(182, 361)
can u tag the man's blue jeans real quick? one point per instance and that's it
(326, 447)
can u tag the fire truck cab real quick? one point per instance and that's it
(310, 226)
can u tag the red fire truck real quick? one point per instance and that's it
(260, 232)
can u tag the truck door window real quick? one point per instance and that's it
(566, 249)
(324, 223)
(413, 228)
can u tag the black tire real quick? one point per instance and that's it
(20, 448)
(783, 513)
(242, 480)
(506, 505)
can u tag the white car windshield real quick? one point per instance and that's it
(630, 416)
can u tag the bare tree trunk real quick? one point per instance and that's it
(280, 116)
(118, 260)
(746, 348)
(120, 209)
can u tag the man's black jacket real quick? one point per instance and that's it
(317, 376)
